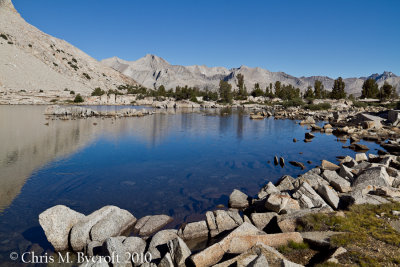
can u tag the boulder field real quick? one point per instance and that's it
(248, 233)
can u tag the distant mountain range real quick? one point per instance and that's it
(153, 71)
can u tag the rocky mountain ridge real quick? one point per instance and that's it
(33, 61)
(153, 71)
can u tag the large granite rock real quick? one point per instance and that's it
(225, 220)
(267, 190)
(114, 247)
(312, 177)
(80, 232)
(285, 183)
(57, 223)
(278, 202)
(326, 165)
(213, 254)
(133, 245)
(193, 230)
(114, 224)
(238, 200)
(329, 195)
(151, 224)
(179, 251)
(375, 176)
(308, 198)
(158, 243)
(261, 220)
(339, 183)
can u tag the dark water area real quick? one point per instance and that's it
(180, 164)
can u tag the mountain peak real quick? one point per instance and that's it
(7, 5)
(152, 57)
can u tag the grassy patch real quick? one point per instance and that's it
(297, 102)
(358, 104)
(292, 246)
(369, 238)
(321, 106)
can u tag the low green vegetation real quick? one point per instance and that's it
(286, 249)
(98, 92)
(78, 99)
(367, 230)
(72, 65)
(297, 102)
(86, 76)
(115, 92)
(359, 104)
(72, 92)
(290, 95)
(321, 106)
(2, 35)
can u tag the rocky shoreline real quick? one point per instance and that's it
(253, 230)
(248, 233)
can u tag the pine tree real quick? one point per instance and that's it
(309, 93)
(338, 89)
(387, 91)
(277, 88)
(242, 92)
(318, 88)
(370, 89)
(225, 91)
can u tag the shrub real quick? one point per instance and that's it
(115, 92)
(78, 99)
(55, 64)
(4, 36)
(66, 89)
(40, 91)
(75, 67)
(53, 100)
(30, 45)
(86, 75)
(72, 92)
(98, 92)
(321, 106)
(358, 104)
(296, 102)
(74, 60)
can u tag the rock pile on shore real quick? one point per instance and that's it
(84, 112)
(247, 234)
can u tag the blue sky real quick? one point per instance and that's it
(302, 38)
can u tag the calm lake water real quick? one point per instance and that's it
(179, 164)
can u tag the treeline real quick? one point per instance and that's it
(225, 94)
